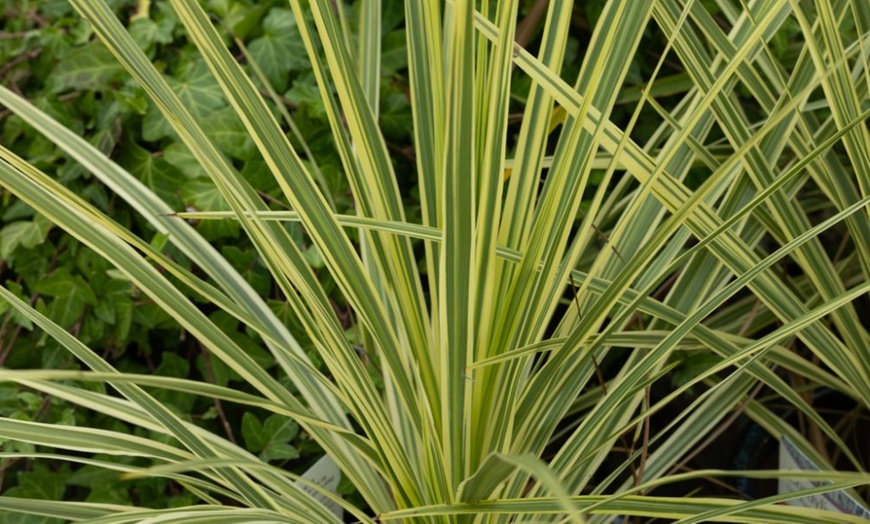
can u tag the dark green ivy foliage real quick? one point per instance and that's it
(50, 56)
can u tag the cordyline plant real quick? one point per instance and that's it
(519, 353)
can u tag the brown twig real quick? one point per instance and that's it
(756, 307)
(604, 238)
(406, 151)
(40, 20)
(602, 383)
(23, 57)
(17, 34)
(284, 100)
(842, 247)
(527, 26)
(209, 376)
(721, 484)
(7, 348)
(271, 199)
(721, 428)
(644, 453)
(40, 411)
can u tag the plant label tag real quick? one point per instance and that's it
(326, 474)
(790, 457)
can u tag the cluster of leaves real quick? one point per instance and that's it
(50, 56)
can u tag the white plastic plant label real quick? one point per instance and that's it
(326, 474)
(791, 458)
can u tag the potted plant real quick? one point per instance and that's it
(558, 272)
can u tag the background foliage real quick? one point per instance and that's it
(50, 56)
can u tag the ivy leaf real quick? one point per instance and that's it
(32, 264)
(243, 18)
(280, 49)
(41, 483)
(215, 370)
(61, 283)
(392, 15)
(180, 156)
(279, 451)
(279, 431)
(394, 52)
(305, 93)
(96, 195)
(230, 326)
(314, 257)
(109, 127)
(156, 173)
(247, 264)
(252, 432)
(103, 484)
(280, 428)
(197, 90)
(270, 438)
(16, 211)
(132, 98)
(229, 134)
(172, 365)
(105, 312)
(284, 312)
(692, 366)
(395, 117)
(66, 310)
(18, 317)
(258, 174)
(118, 312)
(90, 67)
(203, 195)
(147, 32)
(71, 295)
(27, 234)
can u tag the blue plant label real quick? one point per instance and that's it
(791, 458)
(326, 474)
